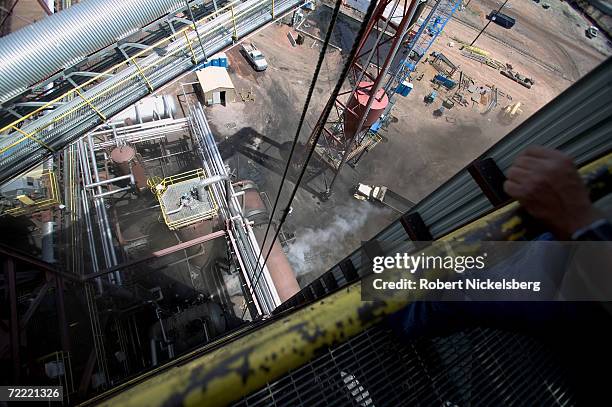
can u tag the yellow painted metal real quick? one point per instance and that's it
(248, 363)
(52, 199)
(142, 74)
(25, 137)
(69, 95)
(95, 109)
(193, 55)
(26, 200)
(161, 187)
(272, 9)
(234, 24)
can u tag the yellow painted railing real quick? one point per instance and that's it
(161, 188)
(52, 199)
(140, 71)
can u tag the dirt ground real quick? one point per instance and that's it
(421, 151)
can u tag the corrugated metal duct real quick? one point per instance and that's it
(56, 42)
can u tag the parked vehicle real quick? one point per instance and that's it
(501, 19)
(592, 32)
(254, 56)
(429, 99)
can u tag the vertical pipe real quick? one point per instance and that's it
(61, 314)
(153, 346)
(87, 216)
(105, 226)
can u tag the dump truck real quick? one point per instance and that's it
(381, 195)
(254, 56)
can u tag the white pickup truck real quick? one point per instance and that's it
(254, 56)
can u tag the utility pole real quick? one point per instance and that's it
(489, 22)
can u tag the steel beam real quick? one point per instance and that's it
(11, 284)
(61, 313)
(36, 263)
(34, 305)
(158, 254)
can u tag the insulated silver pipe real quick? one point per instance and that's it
(245, 240)
(105, 224)
(112, 192)
(111, 180)
(71, 35)
(88, 179)
(86, 215)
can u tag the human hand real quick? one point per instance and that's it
(547, 184)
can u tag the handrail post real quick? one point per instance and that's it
(88, 101)
(235, 36)
(193, 55)
(142, 73)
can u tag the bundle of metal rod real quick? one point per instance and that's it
(138, 133)
(86, 153)
(31, 138)
(240, 232)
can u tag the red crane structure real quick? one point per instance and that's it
(346, 133)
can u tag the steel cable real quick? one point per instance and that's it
(318, 130)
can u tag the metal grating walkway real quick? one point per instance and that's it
(480, 367)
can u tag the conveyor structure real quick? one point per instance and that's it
(29, 139)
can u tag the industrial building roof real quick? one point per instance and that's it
(214, 77)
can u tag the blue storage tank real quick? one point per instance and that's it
(222, 58)
(219, 59)
(404, 88)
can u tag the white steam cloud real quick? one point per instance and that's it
(315, 250)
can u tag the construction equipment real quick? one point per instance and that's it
(448, 83)
(254, 56)
(429, 99)
(517, 77)
(380, 194)
(510, 112)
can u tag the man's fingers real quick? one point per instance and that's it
(515, 189)
(530, 164)
(537, 151)
(518, 174)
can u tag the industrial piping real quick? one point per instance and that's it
(28, 59)
(280, 270)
